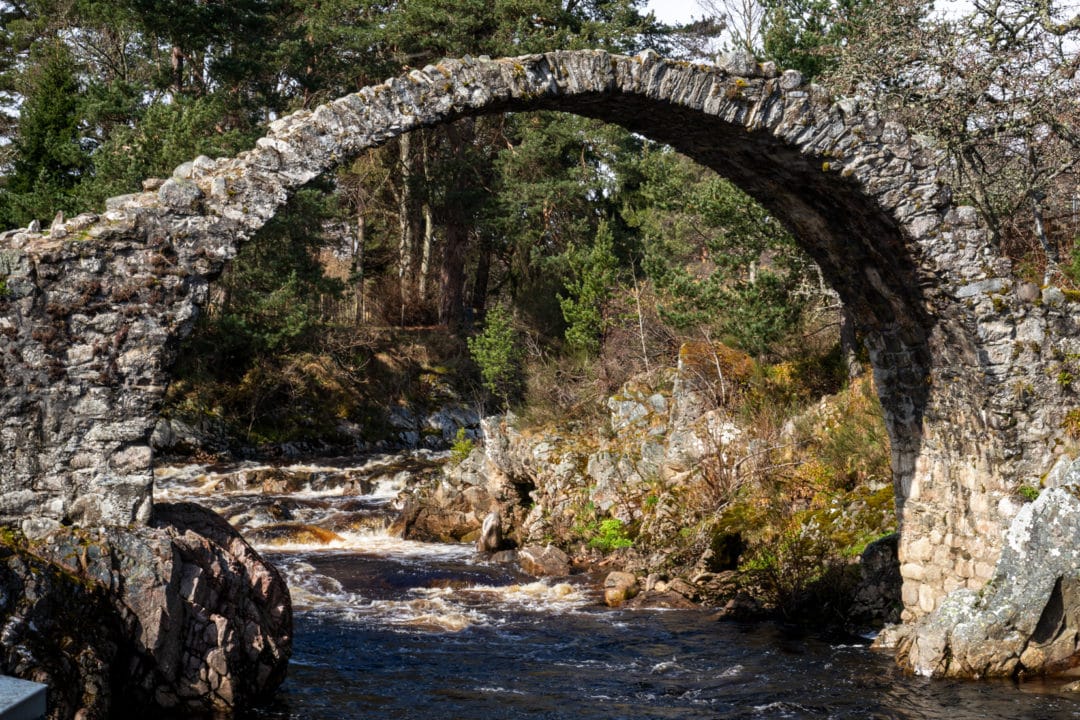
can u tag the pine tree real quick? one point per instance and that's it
(50, 158)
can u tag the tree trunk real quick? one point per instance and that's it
(356, 272)
(452, 274)
(405, 240)
(483, 278)
(425, 255)
(849, 345)
(457, 228)
(176, 62)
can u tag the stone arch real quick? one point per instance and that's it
(94, 307)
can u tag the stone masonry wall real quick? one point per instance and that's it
(972, 366)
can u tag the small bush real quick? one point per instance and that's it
(610, 535)
(1028, 492)
(462, 447)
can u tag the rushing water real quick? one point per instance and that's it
(387, 628)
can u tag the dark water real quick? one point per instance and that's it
(392, 629)
(518, 660)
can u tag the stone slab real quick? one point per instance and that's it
(21, 699)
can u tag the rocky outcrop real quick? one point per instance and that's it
(1026, 620)
(662, 433)
(183, 616)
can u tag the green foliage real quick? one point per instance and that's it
(462, 447)
(1028, 492)
(4, 289)
(590, 286)
(723, 265)
(808, 35)
(165, 136)
(497, 352)
(608, 535)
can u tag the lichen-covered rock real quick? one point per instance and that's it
(1026, 620)
(183, 616)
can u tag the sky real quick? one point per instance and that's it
(673, 11)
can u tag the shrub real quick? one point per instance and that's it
(462, 447)
(610, 535)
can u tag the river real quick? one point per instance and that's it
(387, 628)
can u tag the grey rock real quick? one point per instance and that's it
(490, 539)
(739, 63)
(791, 80)
(1053, 296)
(180, 195)
(1027, 292)
(56, 228)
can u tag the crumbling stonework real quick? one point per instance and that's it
(973, 366)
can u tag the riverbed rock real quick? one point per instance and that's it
(546, 561)
(194, 621)
(619, 587)
(1026, 620)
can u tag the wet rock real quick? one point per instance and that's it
(619, 587)
(57, 630)
(505, 557)
(432, 523)
(490, 539)
(292, 534)
(741, 608)
(547, 561)
(663, 599)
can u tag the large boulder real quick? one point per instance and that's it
(1026, 620)
(183, 615)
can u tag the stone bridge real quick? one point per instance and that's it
(974, 368)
